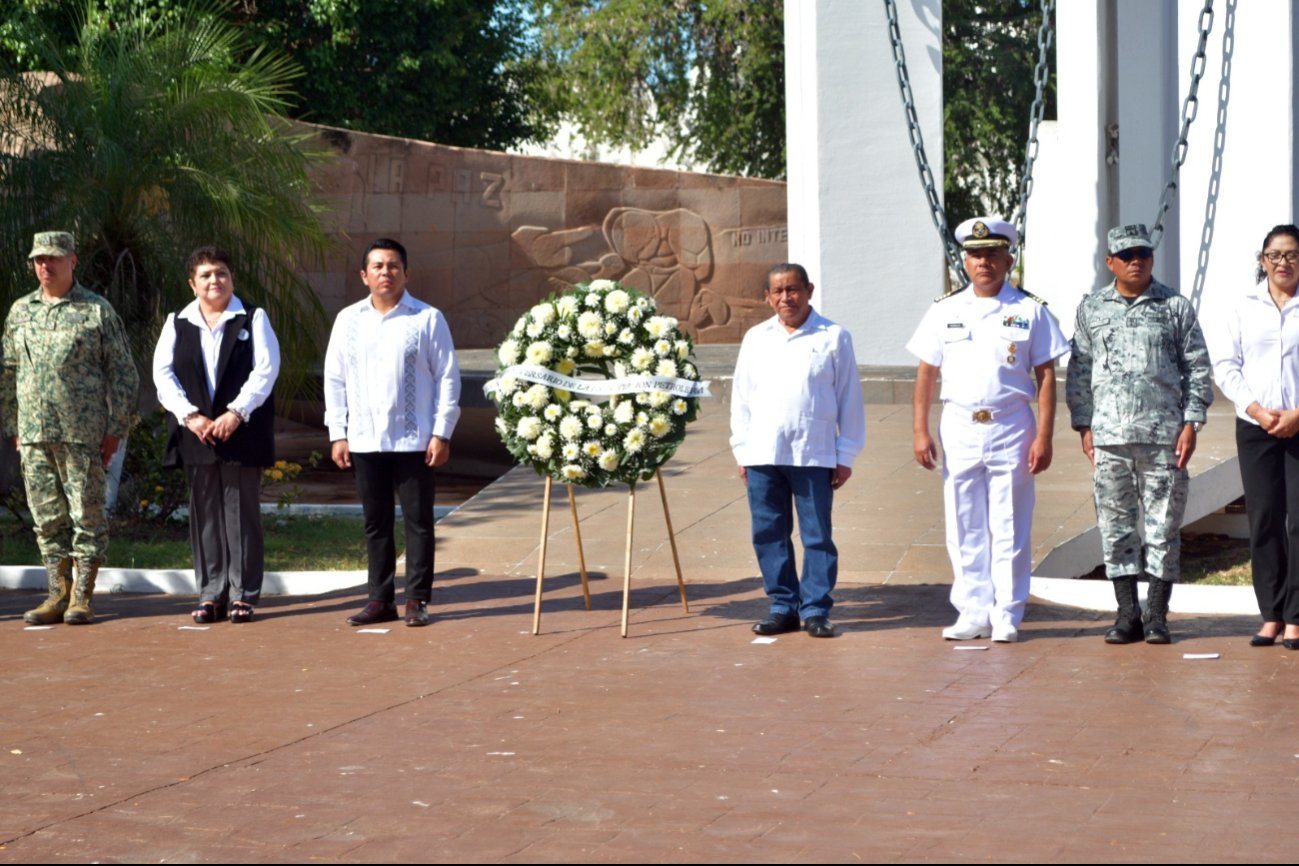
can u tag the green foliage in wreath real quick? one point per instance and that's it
(600, 330)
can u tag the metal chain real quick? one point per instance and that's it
(1045, 33)
(936, 212)
(1189, 110)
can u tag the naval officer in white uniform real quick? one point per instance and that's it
(996, 348)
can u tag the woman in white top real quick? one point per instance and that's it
(1256, 364)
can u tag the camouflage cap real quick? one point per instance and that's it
(988, 231)
(1123, 238)
(52, 244)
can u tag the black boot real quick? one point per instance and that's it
(1127, 628)
(1157, 611)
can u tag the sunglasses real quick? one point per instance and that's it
(1134, 253)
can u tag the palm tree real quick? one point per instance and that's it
(146, 138)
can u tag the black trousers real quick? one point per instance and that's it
(378, 473)
(1269, 472)
(225, 531)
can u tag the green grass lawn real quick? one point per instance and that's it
(299, 543)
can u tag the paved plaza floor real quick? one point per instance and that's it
(297, 738)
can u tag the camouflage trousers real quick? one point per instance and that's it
(1140, 485)
(65, 492)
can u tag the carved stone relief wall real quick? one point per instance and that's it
(489, 234)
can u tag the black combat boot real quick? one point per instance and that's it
(1157, 611)
(1127, 628)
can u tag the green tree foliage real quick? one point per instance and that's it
(146, 139)
(451, 71)
(709, 77)
(989, 55)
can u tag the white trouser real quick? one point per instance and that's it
(988, 499)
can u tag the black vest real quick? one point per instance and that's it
(253, 442)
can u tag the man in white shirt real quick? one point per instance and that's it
(996, 346)
(797, 423)
(392, 391)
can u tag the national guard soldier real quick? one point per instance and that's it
(1138, 385)
(69, 392)
(996, 347)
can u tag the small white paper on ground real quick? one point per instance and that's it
(193, 627)
(1197, 656)
(373, 630)
(37, 627)
(984, 647)
(763, 640)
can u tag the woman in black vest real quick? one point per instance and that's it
(215, 368)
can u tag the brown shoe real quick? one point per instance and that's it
(416, 613)
(374, 612)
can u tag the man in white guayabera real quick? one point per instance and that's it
(392, 392)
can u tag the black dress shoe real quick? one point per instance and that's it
(416, 613)
(777, 623)
(1262, 640)
(374, 612)
(819, 626)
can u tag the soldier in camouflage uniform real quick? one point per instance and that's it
(67, 394)
(1138, 386)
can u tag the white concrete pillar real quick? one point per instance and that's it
(858, 217)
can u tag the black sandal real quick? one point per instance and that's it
(241, 612)
(206, 612)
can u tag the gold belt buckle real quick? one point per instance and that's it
(983, 416)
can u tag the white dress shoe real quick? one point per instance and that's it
(962, 631)
(1005, 634)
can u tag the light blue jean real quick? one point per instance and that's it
(775, 493)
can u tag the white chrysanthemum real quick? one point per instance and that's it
(659, 426)
(573, 472)
(578, 405)
(564, 332)
(609, 460)
(641, 358)
(595, 422)
(529, 427)
(611, 429)
(592, 449)
(662, 348)
(502, 427)
(590, 325)
(679, 406)
(659, 398)
(660, 326)
(535, 329)
(683, 349)
(592, 300)
(626, 337)
(635, 440)
(610, 328)
(545, 447)
(642, 418)
(566, 366)
(539, 353)
(537, 396)
(619, 370)
(688, 370)
(570, 427)
(642, 398)
(643, 303)
(617, 301)
(571, 352)
(563, 396)
(508, 353)
(634, 315)
(553, 411)
(519, 399)
(601, 285)
(544, 313)
(570, 451)
(594, 349)
(625, 412)
(666, 367)
(508, 385)
(567, 306)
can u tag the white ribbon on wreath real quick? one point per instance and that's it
(599, 387)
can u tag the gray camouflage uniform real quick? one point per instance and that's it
(68, 380)
(1138, 373)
